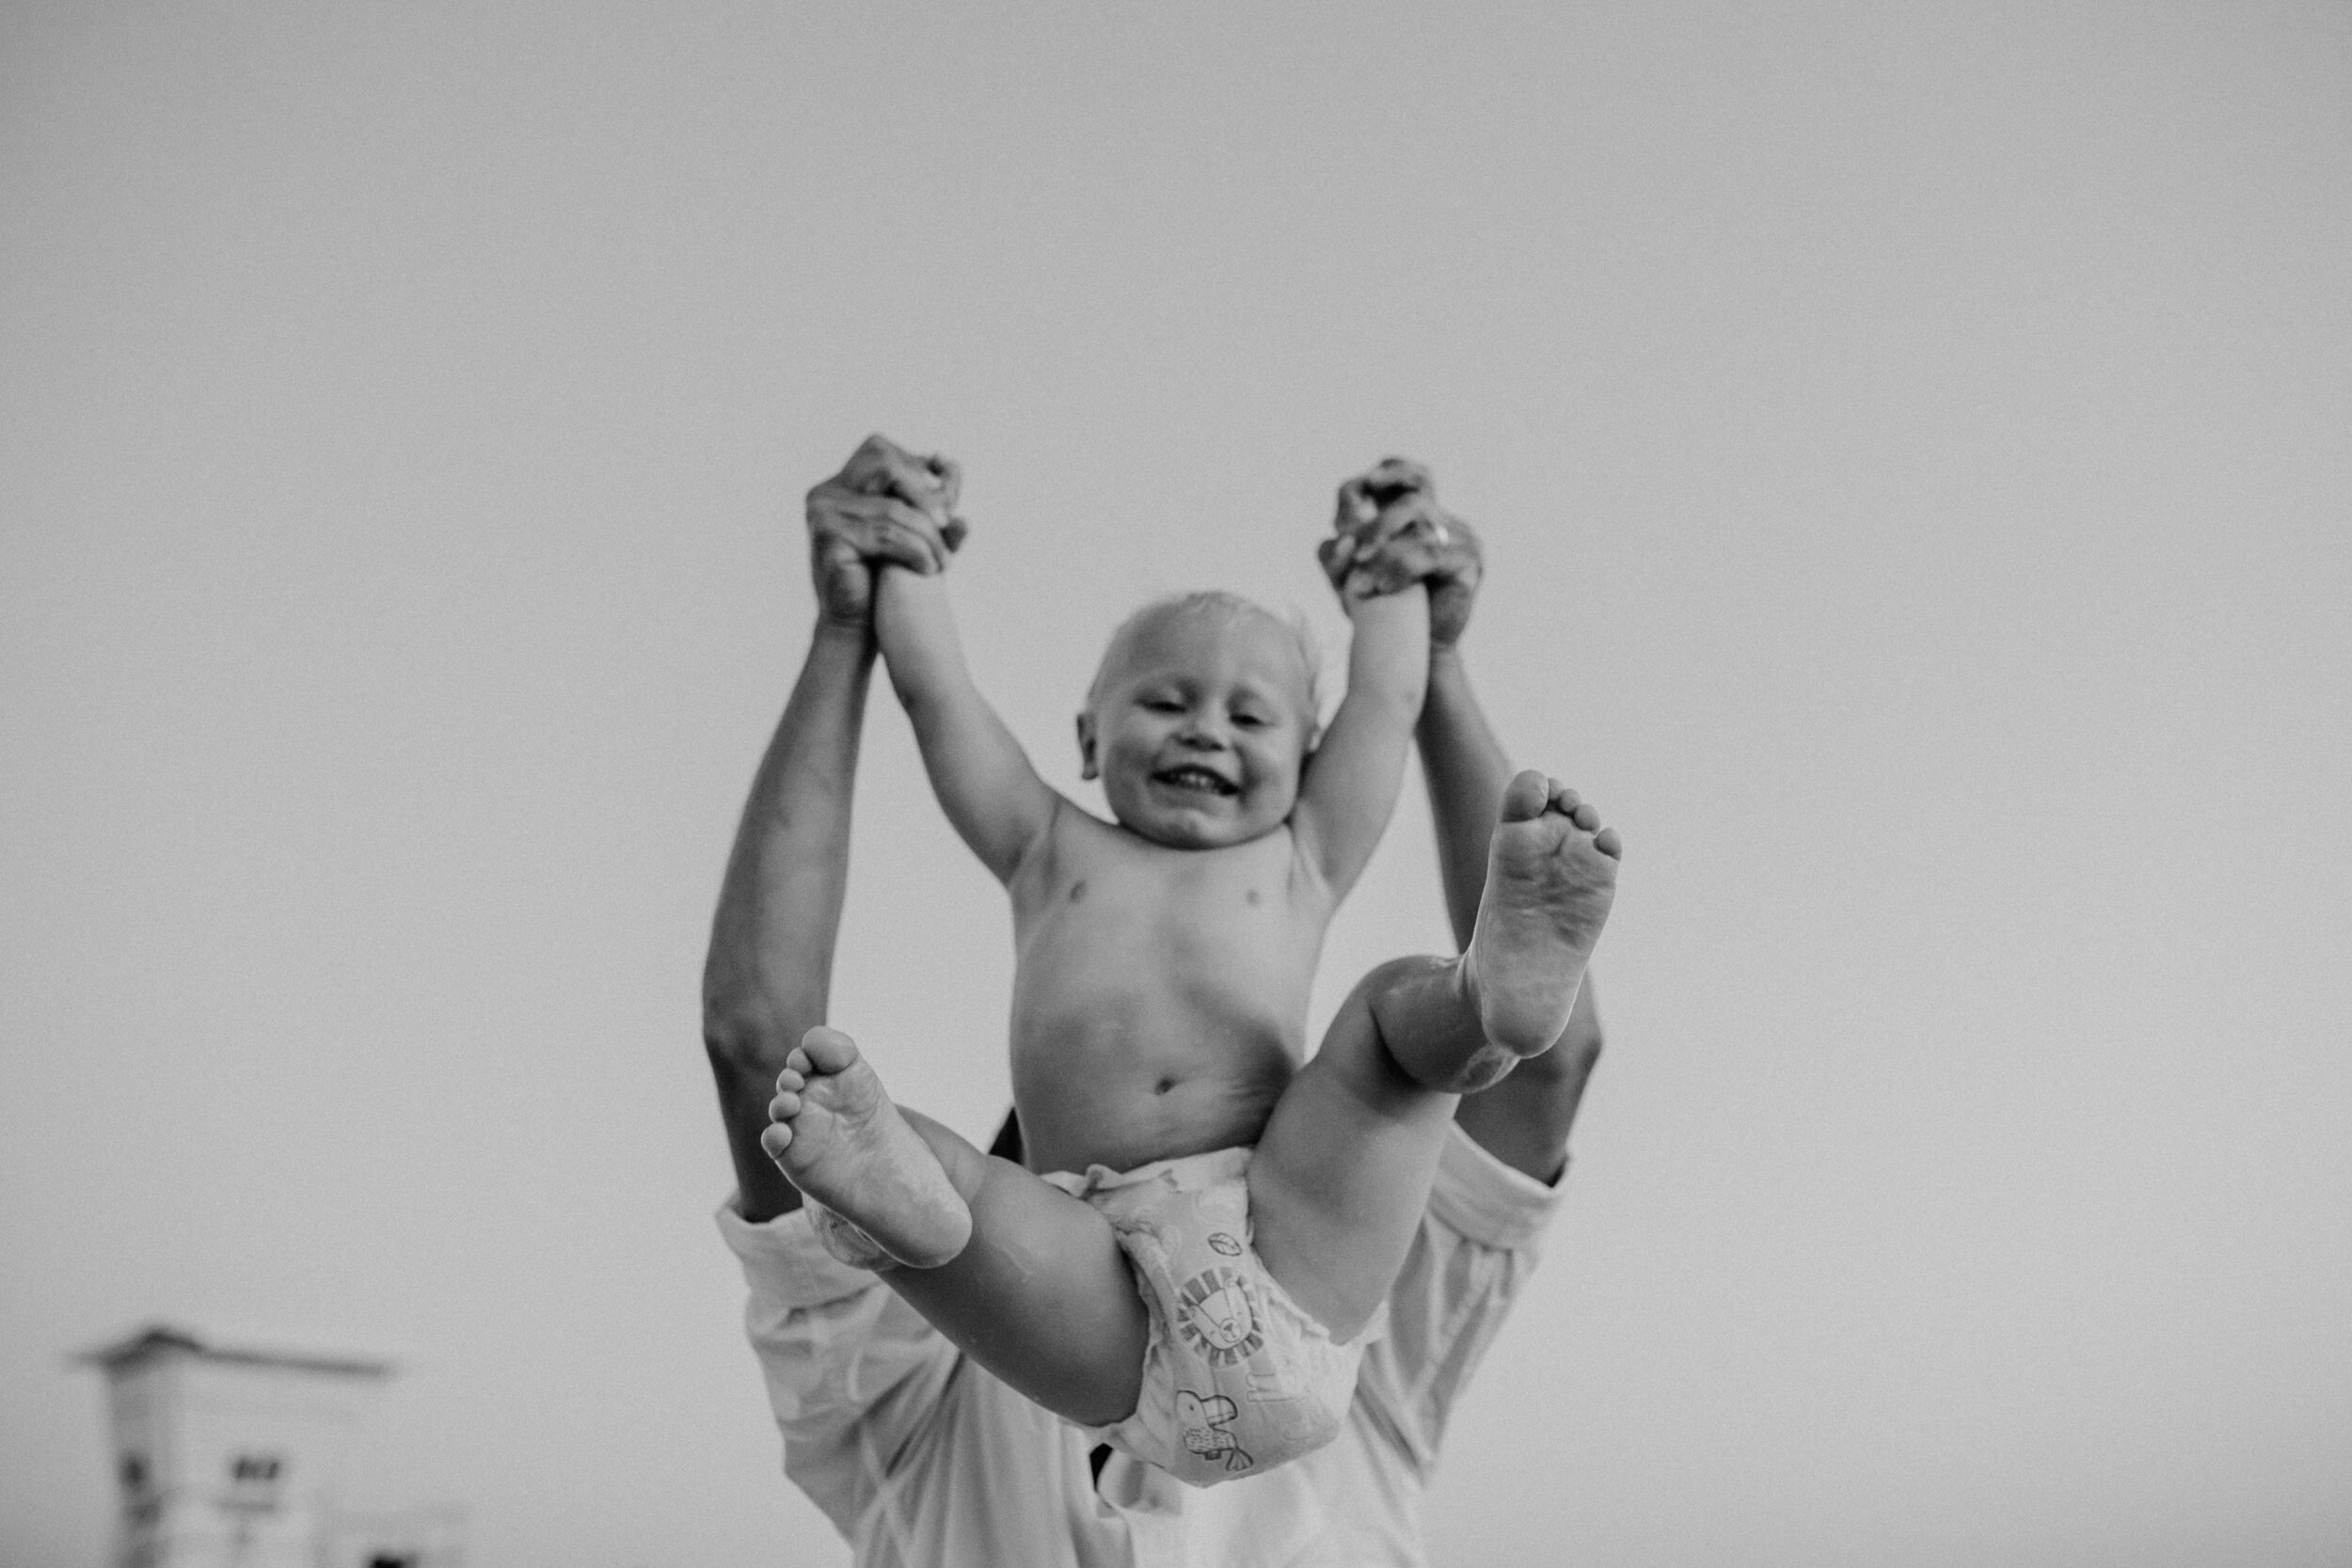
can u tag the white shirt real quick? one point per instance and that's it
(920, 1458)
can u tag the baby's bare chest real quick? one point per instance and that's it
(1159, 1000)
(1222, 930)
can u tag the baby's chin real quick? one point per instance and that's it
(1190, 830)
(1177, 836)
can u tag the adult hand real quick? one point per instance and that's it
(1391, 532)
(886, 506)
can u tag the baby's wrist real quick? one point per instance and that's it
(1363, 586)
(844, 633)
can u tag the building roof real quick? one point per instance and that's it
(167, 1339)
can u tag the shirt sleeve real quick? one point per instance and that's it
(1477, 1245)
(854, 1374)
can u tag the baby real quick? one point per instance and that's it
(1222, 1221)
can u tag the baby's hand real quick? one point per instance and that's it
(1391, 532)
(886, 506)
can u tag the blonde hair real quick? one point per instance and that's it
(1216, 601)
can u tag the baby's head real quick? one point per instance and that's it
(1200, 719)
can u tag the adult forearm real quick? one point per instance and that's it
(1466, 771)
(768, 971)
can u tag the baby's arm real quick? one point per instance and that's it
(1351, 781)
(982, 778)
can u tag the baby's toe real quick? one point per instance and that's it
(826, 1050)
(775, 1138)
(1524, 798)
(1607, 842)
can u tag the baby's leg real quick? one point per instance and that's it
(1027, 1280)
(1343, 1172)
(1551, 874)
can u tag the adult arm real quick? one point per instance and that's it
(768, 971)
(1390, 526)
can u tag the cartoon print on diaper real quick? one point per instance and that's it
(1218, 1317)
(1202, 1423)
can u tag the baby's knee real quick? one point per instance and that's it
(1413, 972)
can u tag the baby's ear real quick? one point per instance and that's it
(1085, 746)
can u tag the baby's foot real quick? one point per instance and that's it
(843, 1240)
(1549, 880)
(840, 1140)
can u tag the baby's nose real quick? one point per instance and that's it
(1205, 734)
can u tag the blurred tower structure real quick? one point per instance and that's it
(227, 1458)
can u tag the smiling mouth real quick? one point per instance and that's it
(1196, 780)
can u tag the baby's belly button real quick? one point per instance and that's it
(1208, 1102)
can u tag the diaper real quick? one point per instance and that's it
(1236, 1378)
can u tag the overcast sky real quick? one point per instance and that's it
(1915, 448)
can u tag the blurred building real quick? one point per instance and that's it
(416, 1538)
(229, 1458)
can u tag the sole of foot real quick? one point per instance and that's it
(836, 1134)
(1551, 874)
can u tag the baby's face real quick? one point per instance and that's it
(1200, 725)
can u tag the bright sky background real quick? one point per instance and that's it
(1914, 447)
